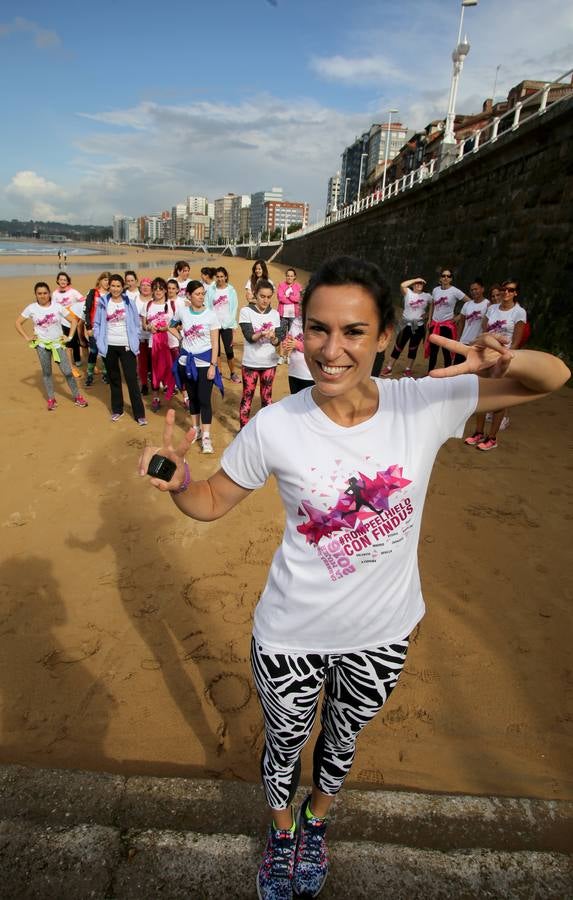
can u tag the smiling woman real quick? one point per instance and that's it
(352, 456)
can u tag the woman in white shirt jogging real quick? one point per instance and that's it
(352, 457)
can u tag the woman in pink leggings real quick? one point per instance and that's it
(262, 331)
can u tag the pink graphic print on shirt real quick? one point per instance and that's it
(264, 328)
(117, 316)
(414, 304)
(356, 529)
(471, 317)
(47, 321)
(194, 332)
(158, 320)
(221, 300)
(441, 301)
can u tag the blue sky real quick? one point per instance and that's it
(128, 107)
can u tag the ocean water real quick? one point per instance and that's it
(41, 248)
(42, 271)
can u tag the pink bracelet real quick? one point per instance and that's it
(186, 480)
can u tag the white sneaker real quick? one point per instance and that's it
(504, 423)
(206, 444)
(197, 436)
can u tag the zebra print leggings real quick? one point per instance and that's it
(356, 686)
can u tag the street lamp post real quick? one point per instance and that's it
(458, 56)
(345, 190)
(387, 150)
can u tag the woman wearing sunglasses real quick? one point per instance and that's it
(441, 317)
(506, 322)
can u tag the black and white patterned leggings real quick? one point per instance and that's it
(356, 686)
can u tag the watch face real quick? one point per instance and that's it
(161, 467)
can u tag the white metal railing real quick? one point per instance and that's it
(523, 111)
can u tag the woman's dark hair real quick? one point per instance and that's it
(223, 270)
(41, 284)
(158, 283)
(192, 286)
(254, 278)
(263, 284)
(351, 270)
(131, 272)
(117, 277)
(179, 265)
(208, 270)
(65, 274)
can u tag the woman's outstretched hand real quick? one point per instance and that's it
(175, 454)
(487, 357)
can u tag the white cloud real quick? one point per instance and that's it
(35, 197)
(358, 70)
(43, 38)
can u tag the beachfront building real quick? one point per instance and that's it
(222, 224)
(153, 230)
(353, 169)
(179, 223)
(333, 194)
(240, 216)
(282, 213)
(383, 143)
(197, 205)
(259, 211)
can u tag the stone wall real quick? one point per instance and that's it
(506, 211)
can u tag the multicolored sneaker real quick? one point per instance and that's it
(407, 373)
(206, 445)
(115, 417)
(197, 436)
(386, 371)
(80, 401)
(235, 378)
(155, 404)
(311, 860)
(52, 403)
(488, 443)
(474, 438)
(274, 879)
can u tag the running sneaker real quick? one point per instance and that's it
(407, 373)
(142, 421)
(80, 401)
(504, 423)
(206, 445)
(386, 371)
(274, 879)
(489, 443)
(116, 416)
(52, 403)
(235, 378)
(311, 860)
(281, 361)
(197, 436)
(155, 404)
(474, 438)
(89, 380)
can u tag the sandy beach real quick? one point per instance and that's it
(124, 627)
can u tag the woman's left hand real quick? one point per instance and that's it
(487, 357)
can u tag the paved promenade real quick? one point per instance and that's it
(69, 834)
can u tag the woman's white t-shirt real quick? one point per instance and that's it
(503, 321)
(48, 321)
(345, 576)
(415, 305)
(473, 313)
(261, 354)
(196, 328)
(71, 299)
(297, 366)
(445, 300)
(116, 324)
(160, 315)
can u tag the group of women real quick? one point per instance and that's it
(167, 335)
(330, 620)
(425, 314)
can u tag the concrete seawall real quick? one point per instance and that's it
(506, 211)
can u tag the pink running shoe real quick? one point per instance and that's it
(80, 401)
(474, 438)
(52, 403)
(489, 443)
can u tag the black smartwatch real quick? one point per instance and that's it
(161, 467)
